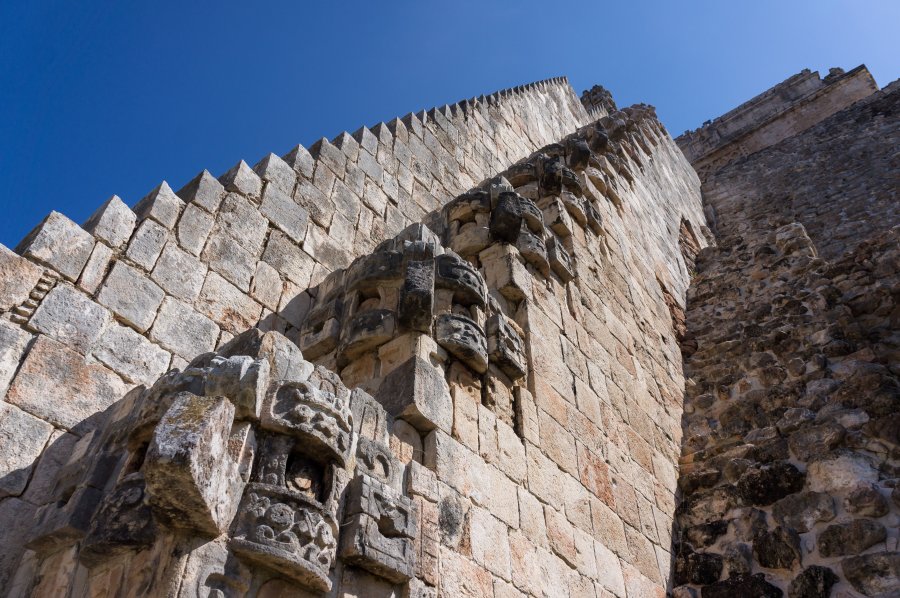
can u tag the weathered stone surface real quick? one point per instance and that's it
(851, 538)
(866, 500)
(765, 484)
(777, 549)
(70, 317)
(182, 330)
(228, 258)
(743, 586)
(194, 227)
(417, 392)
(147, 243)
(226, 305)
(113, 222)
(815, 582)
(131, 355)
(204, 191)
(96, 268)
(179, 273)
(284, 213)
(60, 244)
(131, 296)
(23, 437)
(873, 574)
(803, 510)
(17, 278)
(243, 180)
(162, 205)
(56, 385)
(13, 343)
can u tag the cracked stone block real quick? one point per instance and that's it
(162, 205)
(23, 437)
(192, 473)
(243, 380)
(284, 213)
(131, 355)
(227, 305)
(193, 228)
(55, 384)
(60, 244)
(183, 331)
(241, 221)
(131, 296)
(95, 270)
(226, 256)
(113, 222)
(71, 317)
(266, 285)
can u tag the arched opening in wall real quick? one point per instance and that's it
(690, 247)
(676, 312)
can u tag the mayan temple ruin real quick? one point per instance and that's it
(527, 344)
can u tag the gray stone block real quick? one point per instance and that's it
(147, 244)
(96, 268)
(162, 205)
(179, 273)
(417, 392)
(266, 285)
(278, 174)
(227, 305)
(242, 221)
(131, 296)
(241, 179)
(60, 244)
(289, 259)
(182, 330)
(13, 343)
(113, 222)
(225, 255)
(300, 160)
(194, 228)
(284, 213)
(23, 437)
(131, 355)
(204, 191)
(56, 385)
(71, 317)
(17, 277)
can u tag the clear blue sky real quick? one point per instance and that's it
(98, 98)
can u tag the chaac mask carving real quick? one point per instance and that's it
(251, 454)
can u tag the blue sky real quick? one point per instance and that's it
(98, 98)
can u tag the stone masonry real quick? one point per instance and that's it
(451, 355)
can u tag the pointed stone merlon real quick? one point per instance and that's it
(241, 179)
(277, 173)
(204, 191)
(300, 160)
(59, 244)
(112, 223)
(161, 205)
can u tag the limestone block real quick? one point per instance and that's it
(380, 527)
(95, 270)
(192, 469)
(71, 317)
(55, 384)
(490, 543)
(277, 173)
(243, 380)
(226, 256)
(131, 355)
(60, 244)
(204, 191)
(504, 272)
(113, 222)
(17, 278)
(560, 260)
(131, 296)
(227, 305)
(289, 259)
(193, 228)
(874, 574)
(179, 273)
(240, 219)
(13, 342)
(417, 392)
(23, 437)
(284, 213)
(183, 331)
(162, 205)
(464, 339)
(266, 285)
(326, 250)
(300, 160)
(146, 244)
(241, 179)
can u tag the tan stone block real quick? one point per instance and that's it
(17, 277)
(511, 452)
(641, 554)
(490, 542)
(405, 442)
(594, 474)
(226, 305)
(487, 435)
(609, 528)
(421, 481)
(609, 570)
(462, 578)
(558, 443)
(96, 268)
(637, 584)
(526, 564)
(625, 501)
(504, 589)
(543, 476)
(531, 518)
(428, 545)
(560, 535)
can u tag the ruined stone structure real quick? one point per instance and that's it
(508, 347)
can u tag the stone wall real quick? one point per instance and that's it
(525, 428)
(778, 113)
(790, 471)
